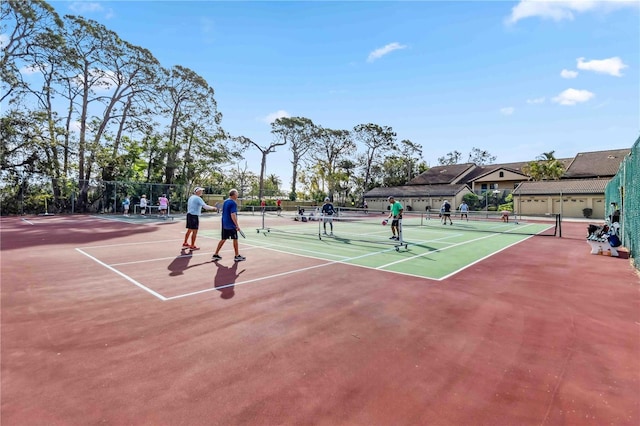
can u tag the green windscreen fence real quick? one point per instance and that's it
(624, 190)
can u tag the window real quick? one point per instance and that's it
(501, 174)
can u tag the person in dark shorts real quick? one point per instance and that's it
(230, 226)
(327, 215)
(446, 212)
(395, 214)
(195, 204)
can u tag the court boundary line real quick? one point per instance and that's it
(125, 276)
(378, 268)
(269, 246)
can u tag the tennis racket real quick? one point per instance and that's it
(242, 233)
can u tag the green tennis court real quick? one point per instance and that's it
(429, 249)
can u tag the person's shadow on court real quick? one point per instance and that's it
(181, 263)
(225, 279)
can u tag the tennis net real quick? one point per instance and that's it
(358, 225)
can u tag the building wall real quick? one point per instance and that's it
(418, 204)
(507, 182)
(570, 206)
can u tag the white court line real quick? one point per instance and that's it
(29, 222)
(481, 259)
(295, 271)
(131, 244)
(128, 278)
(452, 246)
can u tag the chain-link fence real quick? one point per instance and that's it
(39, 194)
(624, 191)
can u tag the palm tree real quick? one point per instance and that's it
(546, 167)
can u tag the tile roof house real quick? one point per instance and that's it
(595, 164)
(585, 176)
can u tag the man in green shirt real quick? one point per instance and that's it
(395, 214)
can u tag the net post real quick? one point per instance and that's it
(559, 225)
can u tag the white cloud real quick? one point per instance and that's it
(379, 53)
(573, 96)
(74, 127)
(611, 66)
(536, 100)
(270, 118)
(507, 110)
(568, 74)
(559, 10)
(85, 7)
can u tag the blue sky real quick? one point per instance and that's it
(516, 78)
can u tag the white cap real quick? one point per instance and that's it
(198, 188)
(326, 199)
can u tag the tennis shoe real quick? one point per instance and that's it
(216, 257)
(331, 234)
(393, 237)
(239, 258)
(194, 248)
(185, 244)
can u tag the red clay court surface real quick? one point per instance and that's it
(542, 333)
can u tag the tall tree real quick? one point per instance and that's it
(332, 147)
(450, 159)
(189, 103)
(411, 153)
(299, 133)
(24, 25)
(481, 157)
(265, 150)
(376, 139)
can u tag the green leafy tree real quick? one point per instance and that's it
(377, 141)
(394, 171)
(330, 151)
(545, 167)
(300, 133)
(472, 200)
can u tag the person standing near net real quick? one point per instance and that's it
(143, 204)
(279, 206)
(125, 205)
(230, 226)
(263, 206)
(446, 212)
(195, 204)
(327, 215)
(163, 204)
(464, 210)
(395, 214)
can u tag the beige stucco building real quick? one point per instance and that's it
(582, 186)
